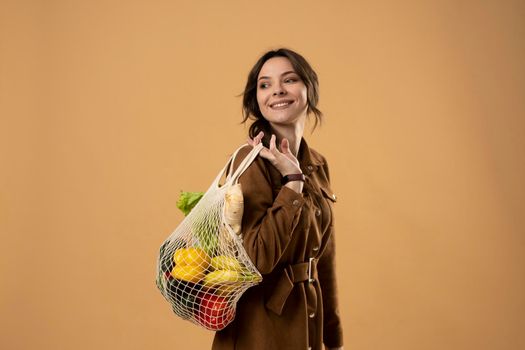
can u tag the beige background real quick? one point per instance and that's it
(109, 108)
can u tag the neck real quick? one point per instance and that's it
(293, 132)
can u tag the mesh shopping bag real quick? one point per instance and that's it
(202, 268)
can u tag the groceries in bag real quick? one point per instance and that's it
(202, 268)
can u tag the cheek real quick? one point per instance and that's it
(301, 92)
(304, 95)
(260, 99)
(304, 92)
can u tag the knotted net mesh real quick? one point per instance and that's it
(202, 268)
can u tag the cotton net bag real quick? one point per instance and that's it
(202, 268)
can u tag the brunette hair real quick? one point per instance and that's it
(250, 107)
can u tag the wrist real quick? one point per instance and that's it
(292, 177)
(296, 186)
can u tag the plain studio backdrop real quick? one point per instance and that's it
(108, 109)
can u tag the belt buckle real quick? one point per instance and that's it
(310, 279)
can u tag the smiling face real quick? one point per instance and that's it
(281, 94)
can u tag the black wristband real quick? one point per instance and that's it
(292, 177)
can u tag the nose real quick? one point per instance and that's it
(279, 90)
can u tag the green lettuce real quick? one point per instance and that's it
(188, 200)
(206, 235)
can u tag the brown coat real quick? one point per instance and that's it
(282, 230)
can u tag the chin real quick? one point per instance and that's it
(276, 117)
(283, 121)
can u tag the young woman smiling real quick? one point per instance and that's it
(288, 223)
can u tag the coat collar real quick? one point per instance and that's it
(308, 158)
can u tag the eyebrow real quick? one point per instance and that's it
(287, 72)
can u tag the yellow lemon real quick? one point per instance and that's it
(190, 273)
(179, 255)
(191, 256)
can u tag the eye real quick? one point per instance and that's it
(263, 85)
(291, 80)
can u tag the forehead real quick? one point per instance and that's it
(275, 66)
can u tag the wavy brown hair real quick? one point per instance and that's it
(250, 107)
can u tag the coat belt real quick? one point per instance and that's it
(290, 275)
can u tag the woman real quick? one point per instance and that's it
(287, 224)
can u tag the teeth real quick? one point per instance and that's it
(281, 104)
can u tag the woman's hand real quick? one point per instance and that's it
(284, 161)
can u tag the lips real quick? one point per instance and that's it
(281, 104)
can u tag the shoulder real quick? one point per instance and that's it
(321, 163)
(243, 151)
(317, 157)
(241, 155)
(318, 160)
(258, 165)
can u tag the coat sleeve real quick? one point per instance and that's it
(332, 328)
(267, 222)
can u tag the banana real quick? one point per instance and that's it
(190, 273)
(221, 277)
(223, 262)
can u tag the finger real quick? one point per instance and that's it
(272, 143)
(254, 141)
(266, 154)
(285, 146)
